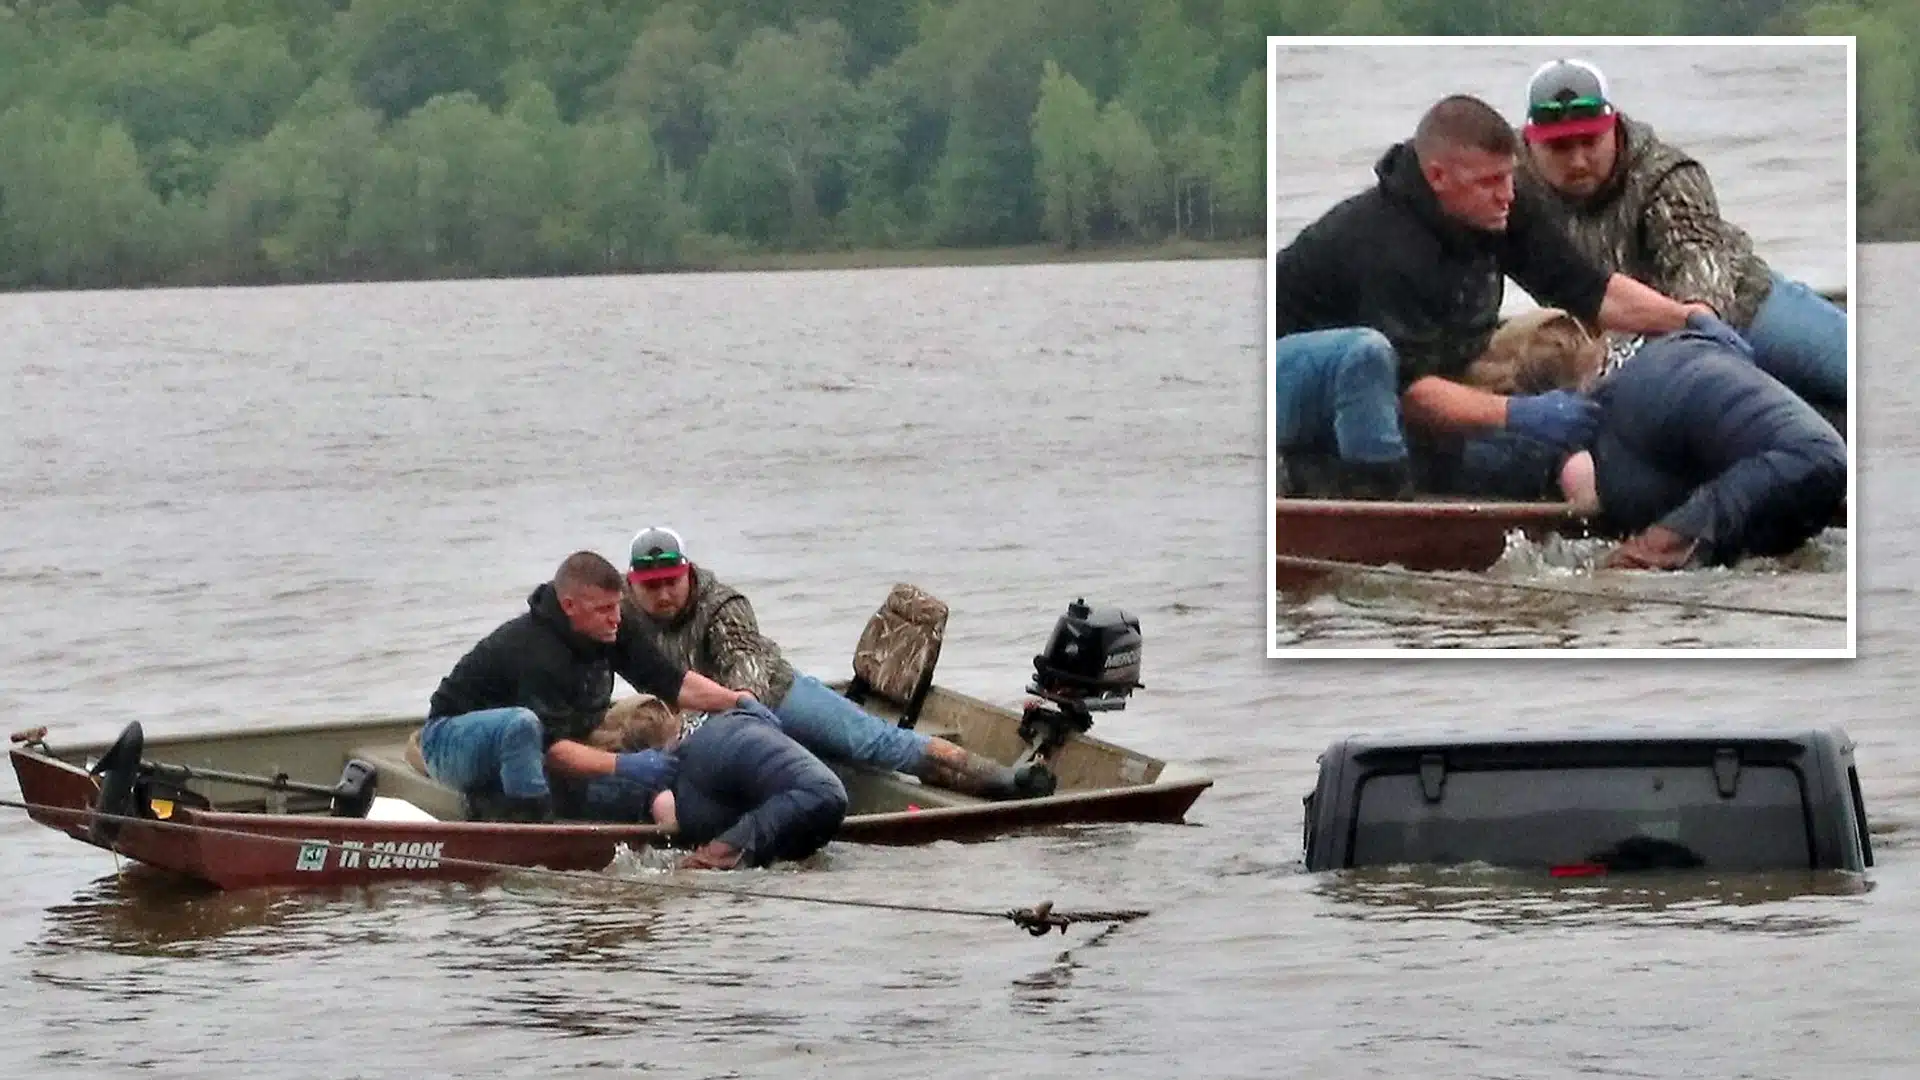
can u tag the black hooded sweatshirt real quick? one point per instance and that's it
(536, 660)
(1388, 258)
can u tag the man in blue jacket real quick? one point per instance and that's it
(742, 794)
(1700, 457)
(1382, 303)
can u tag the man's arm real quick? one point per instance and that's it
(1634, 308)
(744, 657)
(1558, 417)
(1698, 257)
(1540, 255)
(1437, 404)
(701, 694)
(570, 758)
(1546, 263)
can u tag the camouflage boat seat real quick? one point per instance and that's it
(403, 775)
(895, 657)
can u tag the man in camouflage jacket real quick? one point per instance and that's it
(709, 627)
(1640, 207)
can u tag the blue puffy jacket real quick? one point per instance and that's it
(744, 782)
(1696, 438)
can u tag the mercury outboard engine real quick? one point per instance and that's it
(1091, 664)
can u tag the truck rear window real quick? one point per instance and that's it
(1623, 818)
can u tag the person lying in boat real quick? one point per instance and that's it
(1380, 305)
(709, 627)
(546, 676)
(1639, 206)
(1700, 458)
(743, 794)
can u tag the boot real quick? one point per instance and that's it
(1306, 475)
(498, 806)
(1381, 480)
(961, 770)
(1314, 475)
(712, 855)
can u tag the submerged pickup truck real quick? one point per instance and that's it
(1585, 803)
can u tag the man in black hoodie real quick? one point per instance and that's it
(1382, 303)
(529, 694)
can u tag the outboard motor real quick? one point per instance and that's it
(1091, 664)
(119, 770)
(353, 795)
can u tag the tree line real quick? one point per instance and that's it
(229, 141)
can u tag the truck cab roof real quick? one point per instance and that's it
(1604, 799)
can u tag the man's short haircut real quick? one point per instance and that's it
(585, 569)
(1463, 122)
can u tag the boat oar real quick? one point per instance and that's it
(124, 764)
(180, 774)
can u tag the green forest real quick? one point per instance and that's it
(249, 141)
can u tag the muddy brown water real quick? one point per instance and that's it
(234, 507)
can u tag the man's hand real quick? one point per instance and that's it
(1658, 548)
(663, 813)
(1704, 321)
(1696, 307)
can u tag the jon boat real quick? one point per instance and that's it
(1427, 534)
(340, 803)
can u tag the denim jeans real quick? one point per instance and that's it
(1695, 437)
(1800, 338)
(492, 749)
(746, 784)
(836, 729)
(1338, 391)
(1497, 465)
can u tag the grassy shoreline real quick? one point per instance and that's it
(1019, 255)
(737, 262)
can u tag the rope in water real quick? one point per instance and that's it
(1308, 562)
(1036, 920)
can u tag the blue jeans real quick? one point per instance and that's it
(835, 728)
(1800, 338)
(491, 749)
(1497, 465)
(1339, 391)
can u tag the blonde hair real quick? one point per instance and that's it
(641, 722)
(1541, 350)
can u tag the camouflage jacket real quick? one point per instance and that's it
(1656, 220)
(718, 637)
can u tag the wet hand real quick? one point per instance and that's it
(1562, 418)
(1658, 548)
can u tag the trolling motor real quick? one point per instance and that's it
(1091, 664)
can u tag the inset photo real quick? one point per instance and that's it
(1562, 360)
